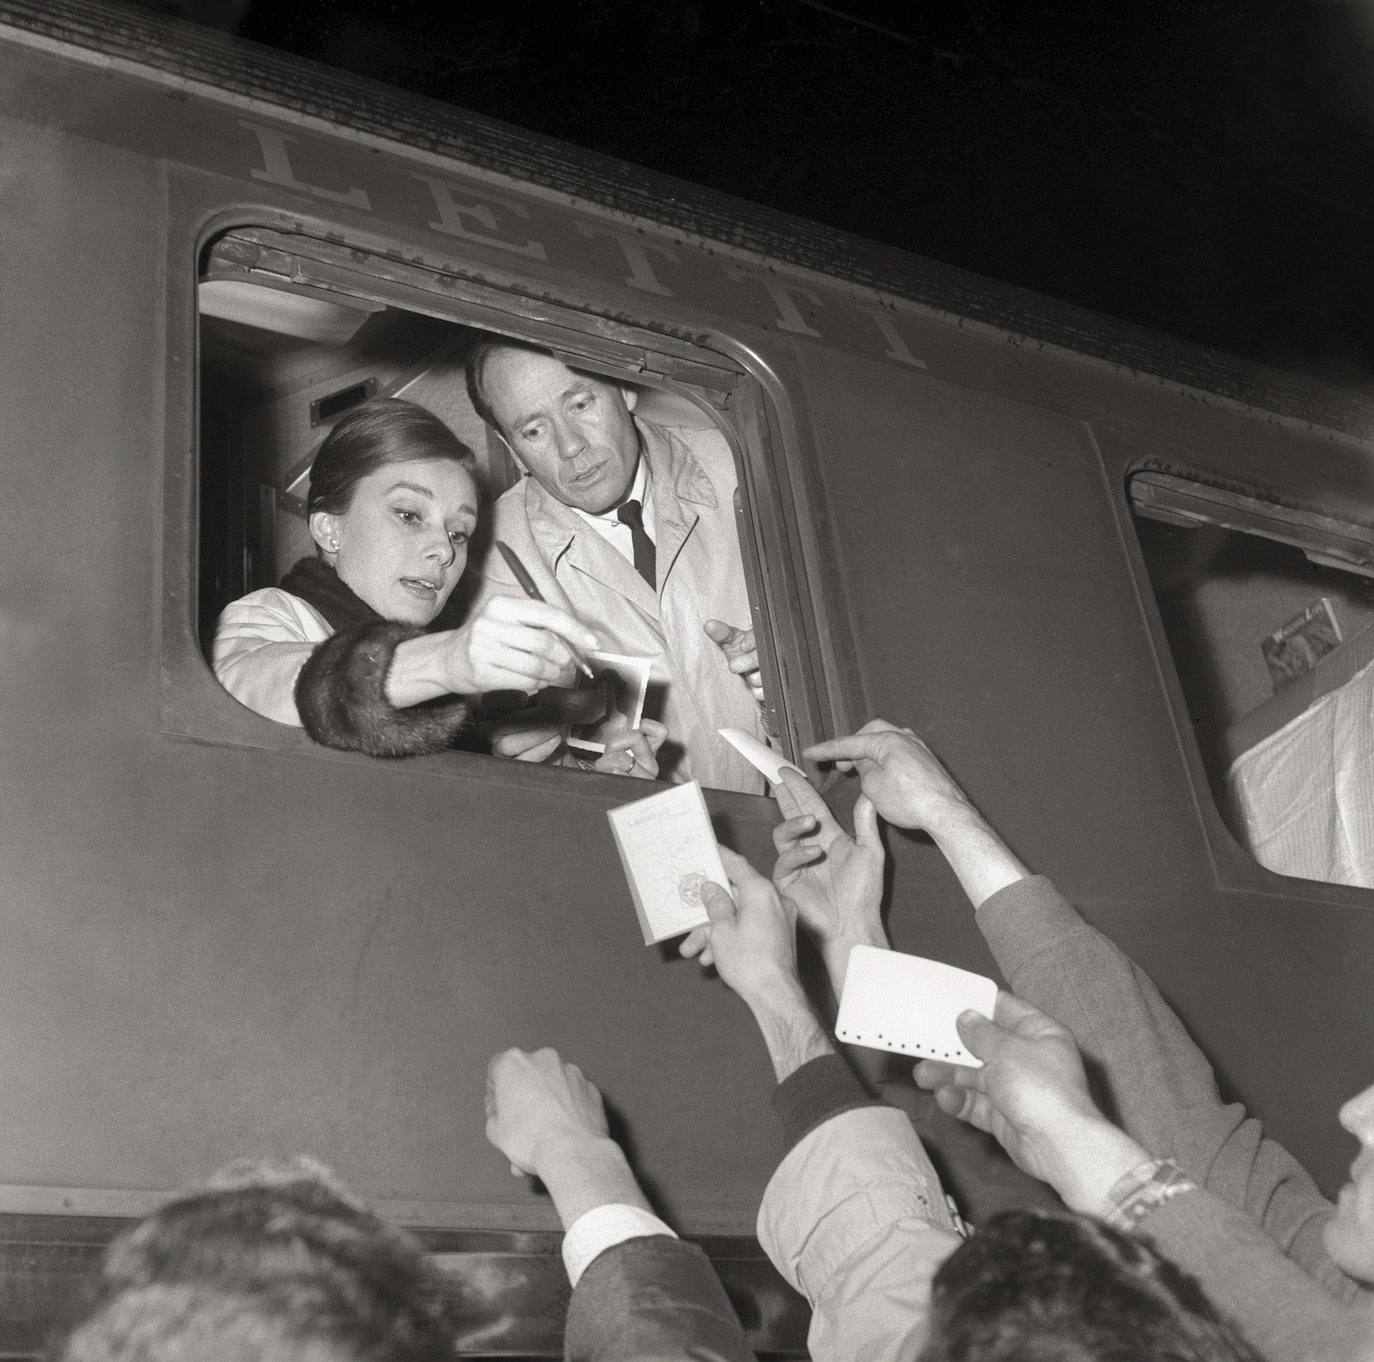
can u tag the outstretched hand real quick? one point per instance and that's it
(898, 772)
(741, 653)
(1031, 1094)
(752, 936)
(539, 1108)
(835, 880)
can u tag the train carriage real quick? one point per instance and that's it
(962, 506)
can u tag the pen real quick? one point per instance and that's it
(522, 575)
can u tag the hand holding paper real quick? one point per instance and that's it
(1031, 1093)
(669, 853)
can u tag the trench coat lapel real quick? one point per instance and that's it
(680, 486)
(569, 544)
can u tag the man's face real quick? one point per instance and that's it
(1349, 1234)
(572, 432)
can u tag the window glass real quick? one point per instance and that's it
(1269, 613)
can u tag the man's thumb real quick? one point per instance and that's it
(720, 907)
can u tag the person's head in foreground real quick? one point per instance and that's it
(1031, 1286)
(392, 505)
(1349, 1234)
(570, 430)
(274, 1263)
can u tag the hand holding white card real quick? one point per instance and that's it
(669, 852)
(908, 1004)
(762, 758)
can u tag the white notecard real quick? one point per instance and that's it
(762, 758)
(908, 1004)
(669, 851)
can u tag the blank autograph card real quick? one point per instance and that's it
(669, 852)
(907, 1004)
(629, 678)
(763, 759)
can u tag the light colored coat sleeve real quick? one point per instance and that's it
(1160, 1084)
(855, 1219)
(261, 643)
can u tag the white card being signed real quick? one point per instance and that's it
(669, 852)
(907, 1004)
(768, 763)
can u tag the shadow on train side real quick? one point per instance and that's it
(1050, 542)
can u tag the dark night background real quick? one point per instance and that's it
(1203, 168)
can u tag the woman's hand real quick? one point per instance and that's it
(633, 752)
(513, 644)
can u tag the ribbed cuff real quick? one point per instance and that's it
(821, 1088)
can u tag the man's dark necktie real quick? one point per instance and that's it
(631, 513)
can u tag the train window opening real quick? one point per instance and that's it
(283, 360)
(1268, 610)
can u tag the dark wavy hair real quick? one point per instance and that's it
(1036, 1286)
(478, 355)
(367, 437)
(273, 1261)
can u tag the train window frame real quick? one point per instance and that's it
(1247, 517)
(746, 406)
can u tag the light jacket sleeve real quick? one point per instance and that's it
(652, 1299)
(855, 1219)
(261, 643)
(1160, 1086)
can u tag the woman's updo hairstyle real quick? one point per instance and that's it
(371, 435)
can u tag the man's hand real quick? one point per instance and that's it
(540, 1110)
(910, 788)
(752, 937)
(752, 940)
(1032, 1095)
(633, 751)
(528, 742)
(741, 653)
(899, 773)
(835, 880)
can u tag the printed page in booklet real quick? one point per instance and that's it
(908, 1004)
(669, 851)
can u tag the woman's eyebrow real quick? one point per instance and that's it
(410, 487)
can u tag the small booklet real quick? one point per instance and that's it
(908, 1004)
(669, 852)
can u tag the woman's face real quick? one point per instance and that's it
(1349, 1235)
(402, 543)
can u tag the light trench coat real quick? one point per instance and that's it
(700, 577)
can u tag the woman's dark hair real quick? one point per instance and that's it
(1035, 1286)
(368, 437)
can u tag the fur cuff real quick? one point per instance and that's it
(341, 696)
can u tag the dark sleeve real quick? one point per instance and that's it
(1160, 1087)
(820, 1089)
(341, 697)
(652, 1299)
